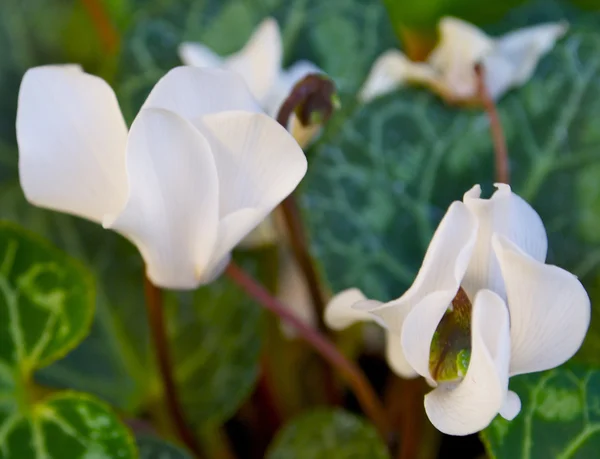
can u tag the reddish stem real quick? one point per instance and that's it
(107, 33)
(355, 377)
(501, 152)
(156, 320)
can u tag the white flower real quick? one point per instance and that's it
(200, 167)
(509, 61)
(526, 316)
(259, 62)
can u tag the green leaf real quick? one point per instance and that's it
(217, 337)
(560, 417)
(155, 448)
(358, 30)
(427, 13)
(381, 182)
(46, 307)
(327, 434)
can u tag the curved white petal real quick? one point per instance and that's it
(172, 210)
(259, 61)
(72, 140)
(198, 55)
(192, 92)
(516, 55)
(259, 163)
(461, 46)
(395, 356)
(391, 70)
(549, 309)
(419, 327)
(443, 268)
(507, 214)
(340, 314)
(232, 229)
(511, 407)
(472, 404)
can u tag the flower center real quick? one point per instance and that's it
(450, 350)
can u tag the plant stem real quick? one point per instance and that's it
(355, 377)
(107, 33)
(156, 320)
(299, 245)
(500, 150)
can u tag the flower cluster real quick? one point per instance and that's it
(200, 167)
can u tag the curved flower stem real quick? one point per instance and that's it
(299, 245)
(156, 320)
(501, 152)
(107, 33)
(362, 389)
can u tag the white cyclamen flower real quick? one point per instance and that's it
(199, 168)
(509, 61)
(259, 62)
(483, 273)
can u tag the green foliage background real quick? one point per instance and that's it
(379, 180)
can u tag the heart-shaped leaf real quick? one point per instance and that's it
(327, 434)
(560, 417)
(46, 307)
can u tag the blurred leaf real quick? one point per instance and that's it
(560, 417)
(155, 448)
(46, 306)
(217, 337)
(427, 13)
(380, 183)
(358, 30)
(327, 434)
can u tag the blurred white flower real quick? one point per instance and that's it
(509, 61)
(486, 259)
(200, 167)
(259, 62)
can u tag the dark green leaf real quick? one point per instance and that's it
(327, 434)
(560, 418)
(358, 30)
(46, 307)
(217, 337)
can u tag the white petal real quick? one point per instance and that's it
(198, 55)
(549, 309)
(504, 213)
(511, 407)
(259, 61)
(172, 211)
(395, 357)
(72, 140)
(419, 327)
(259, 163)
(515, 56)
(461, 46)
(284, 84)
(391, 70)
(192, 92)
(340, 314)
(472, 404)
(232, 229)
(443, 267)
